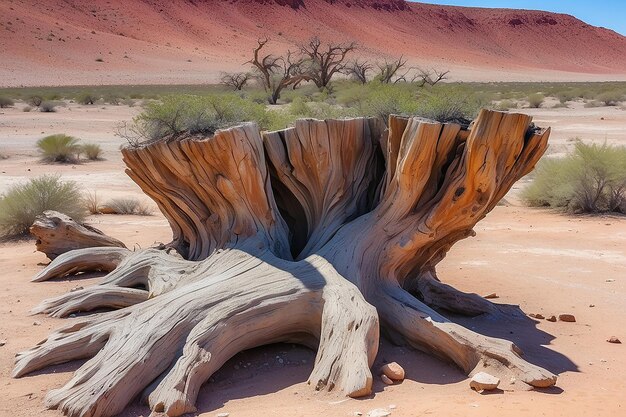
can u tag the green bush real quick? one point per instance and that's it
(174, 115)
(450, 104)
(6, 102)
(590, 180)
(47, 107)
(92, 151)
(127, 206)
(610, 98)
(23, 203)
(535, 100)
(313, 110)
(506, 105)
(59, 148)
(35, 100)
(86, 98)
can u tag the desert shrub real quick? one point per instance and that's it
(48, 107)
(113, 99)
(35, 100)
(379, 100)
(59, 148)
(128, 102)
(450, 104)
(610, 98)
(175, 115)
(127, 206)
(505, 105)
(590, 180)
(592, 104)
(92, 203)
(6, 102)
(26, 109)
(86, 98)
(535, 100)
(23, 203)
(568, 95)
(92, 151)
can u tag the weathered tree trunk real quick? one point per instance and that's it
(310, 235)
(57, 233)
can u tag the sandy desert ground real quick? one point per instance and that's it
(542, 261)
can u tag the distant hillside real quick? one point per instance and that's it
(53, 42)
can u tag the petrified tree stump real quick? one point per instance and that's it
(319, 234)
(57, 233)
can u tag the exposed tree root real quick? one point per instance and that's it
(183, 336)
(436, 294)
(427, 330)
(57, 233)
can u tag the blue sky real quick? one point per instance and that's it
(608, 13)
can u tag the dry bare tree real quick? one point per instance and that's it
(321, 234)
(359, 70)
(236, 80)
(392, 71)
(276, 73)
(323, 61)
(430, 77)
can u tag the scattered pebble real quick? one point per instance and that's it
(393, 371)
(76, 289)
(610, 280)
(537, 316)
(378, 412)
(552, 319)
(222, 415)
(611, 339)
(483, 381)
(358, 413)
(567, 318)
(3, 342)
(592, 305)
(492, 295)
(386, 379)
(36, 323)
(281, 361)
(392, 406)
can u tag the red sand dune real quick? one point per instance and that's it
(57, 42)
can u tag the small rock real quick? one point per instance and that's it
(378, 412)
(492, 295)
(281, 361)
(592, 305)
(611, 339)
(392, 406)
(483, 381)
(36, 323)
(610, 280)
(513, 380)
(76, 289)
(537, 316)
(393, 371)
(223, 415)
(386, 379)
(3, 342)
(552, 319)
(567, 317)
(358, 413)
